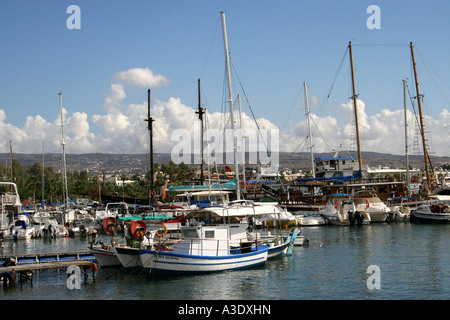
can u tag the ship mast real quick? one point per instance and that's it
(354, 104)
(201, 112)
(230, 100)
(150, 129)
(419, 103)
(63, 143)
(308, 114)
(408, 192)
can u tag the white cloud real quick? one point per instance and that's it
(121, 128)
(139, 77)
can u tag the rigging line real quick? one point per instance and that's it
(336, 75)
(257, 125)
(288, 115)
(333, 82)
(380, 44)
(301, 144)
(209, 49)
(426, 64)
(275, 88)
(317, 127)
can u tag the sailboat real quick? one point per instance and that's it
(435, 210)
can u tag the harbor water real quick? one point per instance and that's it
(388, 261)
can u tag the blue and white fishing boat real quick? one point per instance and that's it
(204, 249)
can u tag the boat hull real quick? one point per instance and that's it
(377, 216)
(425, 217)
(129, 258)
(169, 263)
(106, 257)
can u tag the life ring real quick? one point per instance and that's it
(249, 185)
(414, 179)
(153, 192)
(164, 233)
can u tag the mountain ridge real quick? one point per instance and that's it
(139, 163)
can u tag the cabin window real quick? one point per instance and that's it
(382, 189)
(209, 234)
(190, 233)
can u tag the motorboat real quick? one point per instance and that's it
(309, 220)
(204, 249)
(341, 210)
(399, 208)
(431, 212)
(19, 227)
(368, 202)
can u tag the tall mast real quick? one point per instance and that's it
(354, 104)
(200, 113)
(243, 140)
(406, 140)
(63, 143)
(230, 100)
(43, 172)
(308, 114)
(419, 102)
(150, 129)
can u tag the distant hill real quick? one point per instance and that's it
(139, 163)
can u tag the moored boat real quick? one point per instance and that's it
(432, 212)
(341, 210)
(204, 249)
(368, 202)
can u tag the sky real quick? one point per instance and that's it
(105, 55)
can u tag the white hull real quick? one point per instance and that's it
(306, 221)
(432, 213)
(173, 263)
(335, 219)
(128, 257)
(432, 217)
(396, 216)
(106, 257)
(378, 216)
(338, 220)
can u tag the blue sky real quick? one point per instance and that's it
(275, 47)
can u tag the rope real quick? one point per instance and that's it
(257, 124)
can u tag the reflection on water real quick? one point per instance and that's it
(413, 260)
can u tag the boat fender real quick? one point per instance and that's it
(165, 231)
(14, 232)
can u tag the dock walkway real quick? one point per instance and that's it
(26, 264)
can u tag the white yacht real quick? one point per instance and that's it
(341, 210)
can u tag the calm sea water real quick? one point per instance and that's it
(413, 262)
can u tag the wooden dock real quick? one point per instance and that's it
(26, 264)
